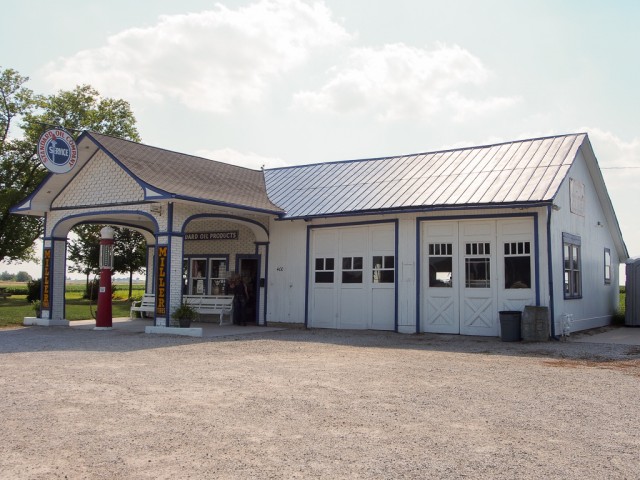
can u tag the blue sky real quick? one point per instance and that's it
(283, 82)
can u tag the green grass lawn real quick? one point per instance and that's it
(13, 309)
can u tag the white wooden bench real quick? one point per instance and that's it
(146, 305)
(211, 305)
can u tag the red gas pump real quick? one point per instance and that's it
(104, 314)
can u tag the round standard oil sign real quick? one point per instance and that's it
(57, 150)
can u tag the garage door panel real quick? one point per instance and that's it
(478, 315)
(383, 309)
(353, 313)
(383, 238)
(441, 314)
(364, 270)
(354, 240)
(325, 243)
(324, 308)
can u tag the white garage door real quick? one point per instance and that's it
(352, 277)
(472, 270)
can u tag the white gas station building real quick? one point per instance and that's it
(430, 242)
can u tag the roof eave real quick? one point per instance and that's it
(423, 209)
(228, 205)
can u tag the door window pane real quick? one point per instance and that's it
(383, 269)
(324, 270)
(440, 265)
(352, 270)
(477, 266)
(217, 276)
(198, 275)
(517, 265)
(477, 273)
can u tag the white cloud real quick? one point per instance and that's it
(612, 151)
(210, 61)
(399, 81)
(622, 183)
(242, 159)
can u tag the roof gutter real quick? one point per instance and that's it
(436, 208)
(228, 205)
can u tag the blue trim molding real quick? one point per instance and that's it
(223, 216)
(90, 214)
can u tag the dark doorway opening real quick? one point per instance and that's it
(249, 271)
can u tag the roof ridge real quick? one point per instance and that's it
(433, 152)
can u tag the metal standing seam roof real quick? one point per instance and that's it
(518, 172)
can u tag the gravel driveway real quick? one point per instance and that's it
(314, 404)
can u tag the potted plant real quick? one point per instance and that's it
(37, 307)
(184, 314)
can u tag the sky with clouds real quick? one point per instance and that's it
(285, 82)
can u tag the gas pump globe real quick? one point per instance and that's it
(104, 318)
(106, 250)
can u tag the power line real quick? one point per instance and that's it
(616, 168)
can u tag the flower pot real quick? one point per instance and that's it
(184, 322)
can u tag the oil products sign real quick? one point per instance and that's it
(161, 282)
(57, 150)
(230, 235)
(46, 279)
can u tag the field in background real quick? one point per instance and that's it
(13, 309)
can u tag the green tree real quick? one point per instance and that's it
(7, 277)
(130, 251)
(22, 277)
(20, 172)
(83, 251)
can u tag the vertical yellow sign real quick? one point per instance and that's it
(46, 279)
(161, 282)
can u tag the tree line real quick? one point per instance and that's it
(15, 277)
(24, 116)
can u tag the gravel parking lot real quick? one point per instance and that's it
(314, 404)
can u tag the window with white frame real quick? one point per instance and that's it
(217, 276)
(607, 266)
(572, 259)
(383, 269)
(352, 270)
(440, 265)
(324, 270)
(198, 271)
(477, 265)
(517, 265)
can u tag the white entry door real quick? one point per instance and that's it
(440, 305)
(478, 279)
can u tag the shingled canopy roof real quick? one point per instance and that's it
(189, 177)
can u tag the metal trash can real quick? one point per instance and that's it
(510, 326)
